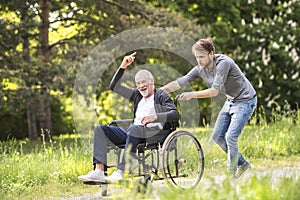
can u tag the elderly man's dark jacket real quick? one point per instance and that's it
(165, 108)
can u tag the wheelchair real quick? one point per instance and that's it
(172, 155)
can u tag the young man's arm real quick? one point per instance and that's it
(207, 93)
(182, 81)
(171, 87)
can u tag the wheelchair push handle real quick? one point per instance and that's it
(176, 99)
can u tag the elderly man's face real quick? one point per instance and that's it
(145, 85)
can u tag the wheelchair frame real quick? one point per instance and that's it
(169, 152)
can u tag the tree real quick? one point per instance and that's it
(30, 100)
(47, 41)
(270, 52)
(26, 28)
(262, 38)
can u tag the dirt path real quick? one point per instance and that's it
(274, 174)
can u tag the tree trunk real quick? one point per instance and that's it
(44, 31)
(45, 121)
(31, 120)
(45, 117)
(30, 110)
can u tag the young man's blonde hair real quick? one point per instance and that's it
(205, 45)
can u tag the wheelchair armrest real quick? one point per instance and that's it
(121, 121)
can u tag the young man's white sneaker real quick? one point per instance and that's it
(115, 176)
(95, 176)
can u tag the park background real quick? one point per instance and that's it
(44, 43)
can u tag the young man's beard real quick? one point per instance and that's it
(206, 65)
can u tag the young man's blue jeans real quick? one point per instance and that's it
(229, 125)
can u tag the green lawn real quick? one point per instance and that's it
(39, 170)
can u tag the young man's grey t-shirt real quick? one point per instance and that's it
(226, 76)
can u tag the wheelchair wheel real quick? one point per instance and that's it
(182, 160)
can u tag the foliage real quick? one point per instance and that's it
(271, 57)
(75, 28)
(260, 35)
(262, 38)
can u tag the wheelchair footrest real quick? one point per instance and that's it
(95, 183)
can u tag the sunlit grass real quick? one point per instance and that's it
(38, 169)
(26, 166)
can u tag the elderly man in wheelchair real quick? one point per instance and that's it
(154, 110)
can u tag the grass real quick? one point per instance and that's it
(40, 170)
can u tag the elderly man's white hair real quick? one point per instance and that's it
(145, 72)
